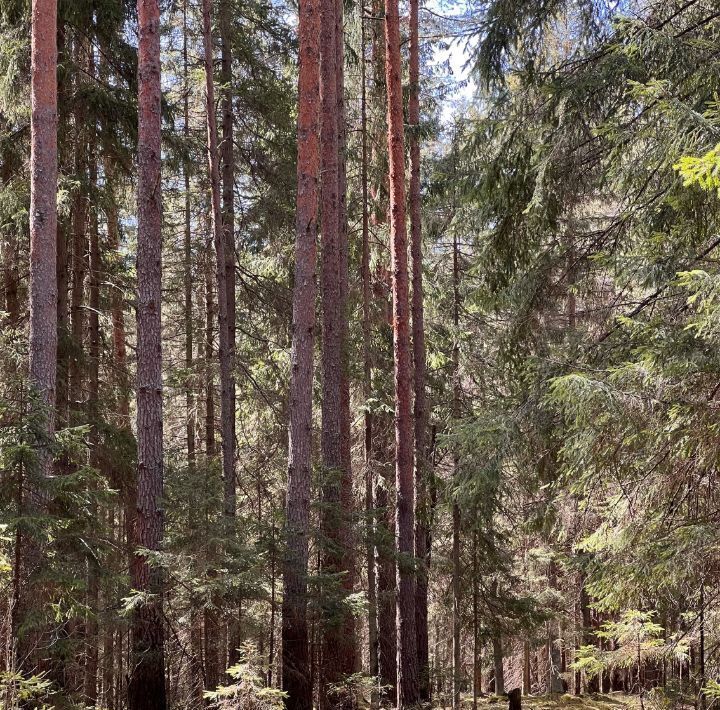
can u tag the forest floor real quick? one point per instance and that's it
(610, 701)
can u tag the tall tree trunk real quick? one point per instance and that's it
(227, 413)
(146, 690)
(63, 352)
(210, 621)
(93, 410)
(367, 374)
(477, 665)
(418, 338)
(349, 648)
(196, 638)
(337, 643)
(457, 570)
(408, 672)
(43, 303)
(296, 660)
(80, 213)
(702, 677)
(227, 156)
(271, 632)
(127, 486)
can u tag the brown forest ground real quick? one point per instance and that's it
(610, 701)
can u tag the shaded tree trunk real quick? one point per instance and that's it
(92, 639)
(227, 156)
(418, 339)
(457, 571)
(296, 660)
(147, 683)
(197, 681)
(211, 623)
(8, 243)
(337, 643)
(408, 672)
(80, 213)
(498, 664)
(526, 668)
(227, 413)
(386, 580)
(477, 665)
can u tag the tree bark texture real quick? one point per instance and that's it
(337, 645)
(43, 314)
(408, 672)
(147, 683)
(419, 356)
(296, 661)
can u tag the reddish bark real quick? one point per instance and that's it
(408, 682)
(43, 208)
(43, 310)
(296, 658)
(146, 689)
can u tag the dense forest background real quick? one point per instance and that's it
(330, 378)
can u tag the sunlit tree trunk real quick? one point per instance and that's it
(367, 374)
(147, 683)
(43, 306)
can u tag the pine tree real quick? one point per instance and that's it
(422, 472)
(295, 636)
(408, 672)
(337, 638)
(146, 690)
